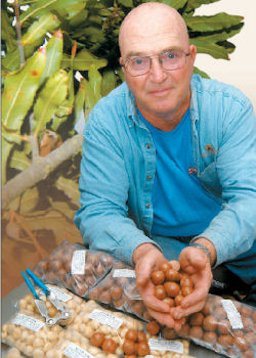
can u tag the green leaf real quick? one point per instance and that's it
(54, 52)
(216, 22)
(29, 200)
(6, 149)
(50, 98)
(126, 3)
(205, 46)
(80, 102)
(194, 4)
(19, 161)
(200, 72)
(176, 4)
(43, 6)
(83, 61)
(70, 188)
(8, 33)
(38, 29)
(109, 82)
(20, 89)
(95, 80)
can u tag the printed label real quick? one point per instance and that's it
(234, 316)
(166, 345)
(78, 262)
(124, 273)
(106, 318)
(27, 321)
(60, 294)
(74, 351)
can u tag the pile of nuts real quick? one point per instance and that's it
(171, 285)
(135, 344)
(57, 268)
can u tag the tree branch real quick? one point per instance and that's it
(40, 169)
(18, 30)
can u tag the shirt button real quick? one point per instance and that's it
(148, 145)
(149, 177)
(147, 206)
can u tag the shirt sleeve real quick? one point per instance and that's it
(104, 185)
(233, 230)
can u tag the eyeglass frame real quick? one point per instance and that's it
(185, 54)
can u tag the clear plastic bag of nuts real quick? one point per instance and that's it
(113, 325)
(74, 267)
(73, 303)
(225, 326)
(30, 335)
(118, 290)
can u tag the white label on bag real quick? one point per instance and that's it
(78, 262)
(124, 273)
(166, 345)
(59, 293)
(234, 316)
(106, 318)
(27, 321)
(74, 351)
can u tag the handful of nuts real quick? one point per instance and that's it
(171, 284)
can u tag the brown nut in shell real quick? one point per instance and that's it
(153, 328)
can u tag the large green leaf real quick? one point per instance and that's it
(8, 33)
(216, 22)
(83, 61)
(50, 98)
(80, 102)
(42, 6)
(19, 91)
(204, 45)
(37, 31)
(19, 161)
(177, 4)
(109, 82)
(54, 52)
(194, 4)
(6, 148)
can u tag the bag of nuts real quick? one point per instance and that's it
(118, 290)
(30, 335)
(98, 324)
(225, 326)
(74, 267)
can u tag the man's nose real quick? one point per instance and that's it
(157, 72)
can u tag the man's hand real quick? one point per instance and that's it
(147, 258)
(196, 263)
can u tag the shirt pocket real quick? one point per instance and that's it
(210, 180)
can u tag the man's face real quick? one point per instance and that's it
(159, 93)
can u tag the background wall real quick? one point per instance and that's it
(240, 71)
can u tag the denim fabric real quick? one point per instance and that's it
(119, 162)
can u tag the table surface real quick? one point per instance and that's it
(8, 309)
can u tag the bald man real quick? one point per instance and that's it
(168, 168)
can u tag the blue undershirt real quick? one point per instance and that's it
(182, 207)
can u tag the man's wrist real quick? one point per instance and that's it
(207, 247)
(141, 250)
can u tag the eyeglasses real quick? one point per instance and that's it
(170, 60)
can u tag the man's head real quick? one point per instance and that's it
(149, 30)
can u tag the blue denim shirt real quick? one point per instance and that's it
(119, 162)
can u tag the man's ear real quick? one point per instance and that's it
(193, 52)
(121, 63)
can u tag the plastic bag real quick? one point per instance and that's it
(74, 267)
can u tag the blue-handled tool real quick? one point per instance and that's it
(31, 280)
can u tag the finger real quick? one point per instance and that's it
(162, 318)
(151, 302)
(179, 312)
